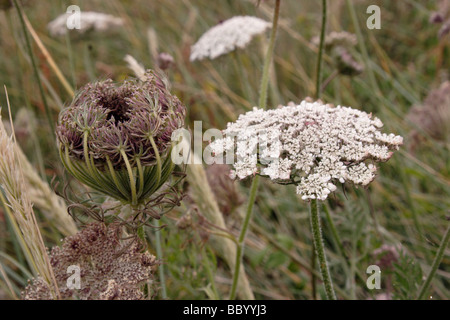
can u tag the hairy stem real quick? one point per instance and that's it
(317, 95)
(320, 250)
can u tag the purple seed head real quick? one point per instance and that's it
(114, 120)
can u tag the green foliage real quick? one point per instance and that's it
(407, 278)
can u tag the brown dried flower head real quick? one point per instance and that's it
(109, 268)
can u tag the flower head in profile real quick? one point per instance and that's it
(227, 36)
(116, 138)
(89, 21)
(312, 145)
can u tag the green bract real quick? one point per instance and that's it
(117, 138)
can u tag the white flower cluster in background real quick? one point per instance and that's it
(228, 35)
(89, 20)
(312, 145)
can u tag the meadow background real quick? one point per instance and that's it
(406, 207)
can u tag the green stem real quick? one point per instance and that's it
(300, 262)
(159, 255)
(255, 182)
(320, 250)
(436, 263)
(321, 46)
(35, 69)
(268, 58)
(317, 96)
(240, 245)
(313, 276)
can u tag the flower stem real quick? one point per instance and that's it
(320, 250)
(436, 263)
(319, 57)
(268, 58)
(240, 245)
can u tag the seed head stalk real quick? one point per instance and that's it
(255, 182)
(320, 250)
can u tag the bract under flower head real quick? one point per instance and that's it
(227, 36)
(312, 145)
(112, 137)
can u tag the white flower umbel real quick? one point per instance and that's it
(89, 20)
(312, 145)
(228, 35)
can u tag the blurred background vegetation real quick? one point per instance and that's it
(406, 209)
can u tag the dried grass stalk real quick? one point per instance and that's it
(43, 197)
(22, 215)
